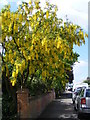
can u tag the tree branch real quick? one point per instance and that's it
(27, 73)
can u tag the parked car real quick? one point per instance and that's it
(82, 102)
(76, 90)
(75, 93)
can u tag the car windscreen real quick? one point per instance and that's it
(78, 90)
(88, 93)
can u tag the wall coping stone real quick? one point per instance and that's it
(23, 91)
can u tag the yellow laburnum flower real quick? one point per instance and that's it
(20, 17)
(62, 65)
(29, 57)
(86, 35)
(46, 46)
(21, 70)
(35, 17)
(24, 53)
(7, 71)
(53, 66)
(16, 69)
(15, 27)
(23, 64)
(56, 57)
(32, 24)
(47, 14)
(71, 58)
(3, 67)
(15, 16)
(83, 40)
(33, 36)
(78, 43)
(62, 71)
(14, 74)
(6, 57)
(0, 20)
(48, 51)
(44, 73)
(30, 2)
(9, 6)
(33, 41)
(19, 8)
(37, 56)
(13, 82)
(2, 27)
(18, 41)
(12, 61)
(31, 48)
(33, 56)
(50, 60)
(14, 53)
(62, 82)
(10, 56)
(44, 42)
(43, 78)
(10, 27)
(64, 56)
(54, 28)
(58, 44)
(27, 46)
(5, 14)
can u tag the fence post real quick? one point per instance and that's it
(22, 103)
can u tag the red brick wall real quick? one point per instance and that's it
(32, 107)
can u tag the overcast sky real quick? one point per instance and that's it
(77, 12)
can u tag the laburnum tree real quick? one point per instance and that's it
(37, 43)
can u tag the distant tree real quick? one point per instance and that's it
(88, 78)
(87, 81)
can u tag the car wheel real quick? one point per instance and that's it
(73, 102)
(75, 107)
(80, 116)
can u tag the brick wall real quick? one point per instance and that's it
(28, 107)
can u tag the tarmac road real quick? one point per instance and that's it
(60, 109)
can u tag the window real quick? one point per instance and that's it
(88, 93)
(82, 93)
